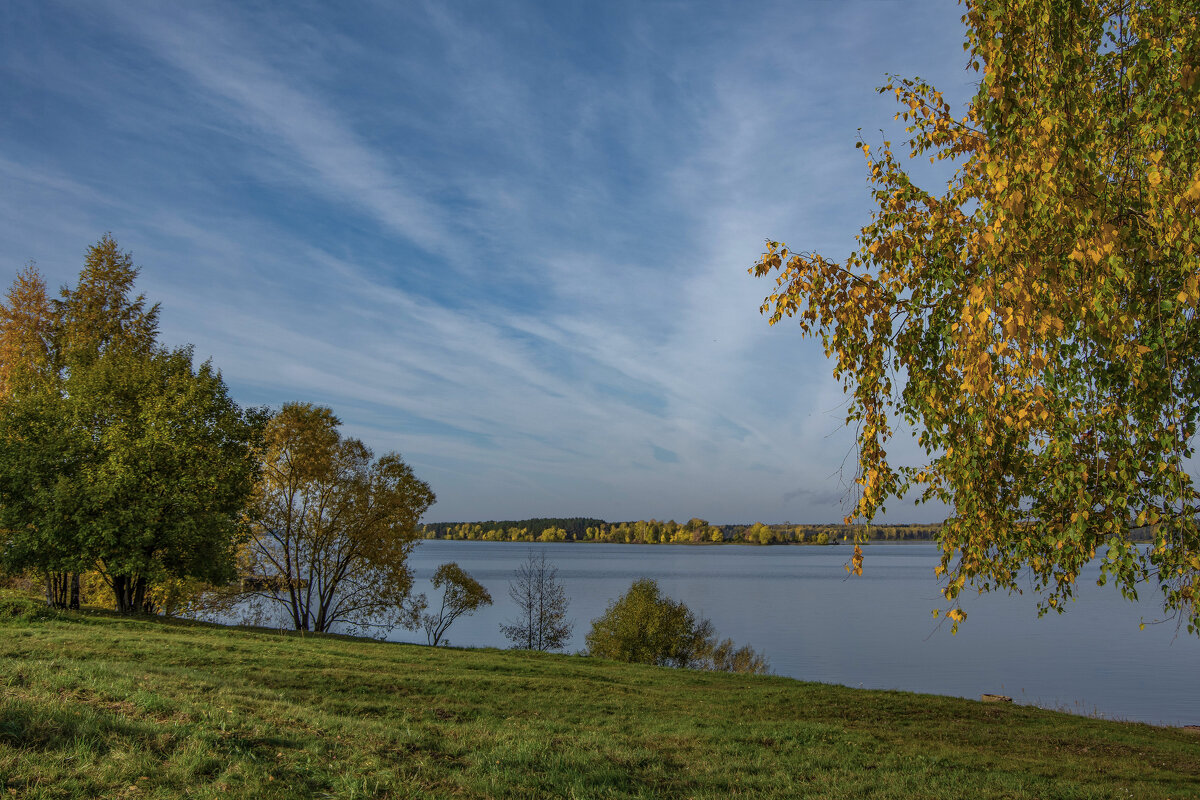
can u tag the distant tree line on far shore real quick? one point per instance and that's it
(574, 527)
(694, 531)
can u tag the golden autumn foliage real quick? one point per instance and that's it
(332, 527)
(26, 332)
(1035, 320)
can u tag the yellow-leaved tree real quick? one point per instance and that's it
(1035, 320)
(331, 528)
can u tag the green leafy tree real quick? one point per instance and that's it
(461, 594)
(541, 622)
(645, 626)
(1036, 319)
(27, 328)
(101, 313)
(332, 527)
(41, 466)
(140, 469)
(168, 474)
(115, 454)
(28, 345)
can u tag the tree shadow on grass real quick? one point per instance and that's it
(26, 726)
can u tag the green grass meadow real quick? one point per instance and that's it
(97, 706)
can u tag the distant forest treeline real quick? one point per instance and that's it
(694, 531)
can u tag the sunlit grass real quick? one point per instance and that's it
(92, 705)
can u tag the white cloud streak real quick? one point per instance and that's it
(333, 159)
(570, 296)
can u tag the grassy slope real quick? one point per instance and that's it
(96, 706)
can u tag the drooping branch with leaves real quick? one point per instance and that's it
(1035, 321)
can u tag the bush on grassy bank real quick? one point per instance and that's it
(645, 626)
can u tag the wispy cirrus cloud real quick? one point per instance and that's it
(510, 243)
(332, 158)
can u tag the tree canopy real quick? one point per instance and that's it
(332, 526)
(165, 489)
(116, 454)
(1035, 321)
(26, 333)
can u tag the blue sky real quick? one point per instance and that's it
(508, 240)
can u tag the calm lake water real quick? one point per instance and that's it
(798, 607)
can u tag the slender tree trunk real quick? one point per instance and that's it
(74, 602)
(57, 589)
(139, 596)
(319, 624)
(298, 619)
(121, 593)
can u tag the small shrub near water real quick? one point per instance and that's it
(644, 626)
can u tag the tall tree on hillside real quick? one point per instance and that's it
(1036, 320)
(98, 316)
(26, 333)
(27, 343)
(332, 527)
(175, 467)
(115, 454)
